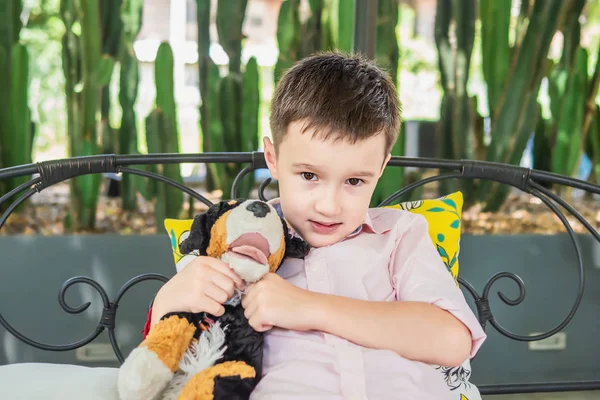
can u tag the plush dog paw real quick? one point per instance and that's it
(150, 367)
(143, 376)
(235, 378)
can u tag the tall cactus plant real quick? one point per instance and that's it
(516, 107)
(341, 17)
(111, 27)
(206, 64)
(230, 104)
(456, 128)
(16, 128)
(569, 109)
(250, 115)
(131, 17)
(87, 71)
(288, 37)
(298, 38)
(162, 135)
(568, 80)
(18, 145)
(495, 47)
(387, 56)
(229, 111)
(594, 136)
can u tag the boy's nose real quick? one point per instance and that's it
(259, 209)
(328, 204)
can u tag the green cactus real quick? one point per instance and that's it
(77, 70)
(312, 32)
(288, 37)
(206, 64)
(250, 117)
(542, 143)
(456, 127)
(495, 35)
(328, 38)
(10, 28)
(231, 103)
(594, 136)
(87, 71)
(517, 104)
(590, 105)
(230, 17)
(18, 145)
(342, 24)
(297, 39)
(131, 17)
(572, 97)
(111, 27)
(229, 89)
(387, 57)
(162, 135)
(212, 127)
(570, 116)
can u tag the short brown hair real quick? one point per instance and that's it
(347, 95)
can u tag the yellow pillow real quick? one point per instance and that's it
(178, 229)
(443, 216)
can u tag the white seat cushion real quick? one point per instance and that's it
(37, 381)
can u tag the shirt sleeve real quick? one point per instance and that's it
(419, 274)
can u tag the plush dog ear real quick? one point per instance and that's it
(296, 248)
(199, 236)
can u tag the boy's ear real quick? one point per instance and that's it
(270, 157)
(387, 159)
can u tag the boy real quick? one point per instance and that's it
(372, 304)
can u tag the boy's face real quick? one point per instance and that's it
(325, 185)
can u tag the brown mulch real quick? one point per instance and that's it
(522, 213)
(45, 211)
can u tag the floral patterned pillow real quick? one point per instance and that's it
(444, 219)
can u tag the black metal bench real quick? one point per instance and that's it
(45, 174)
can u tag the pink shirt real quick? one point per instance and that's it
(389, 258)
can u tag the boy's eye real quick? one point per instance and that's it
(354, 181)
(308, 176)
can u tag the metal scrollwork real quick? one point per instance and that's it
(107, 319)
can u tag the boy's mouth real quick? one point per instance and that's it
(326, 223)
(324, 227)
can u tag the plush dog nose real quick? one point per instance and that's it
(259, 209)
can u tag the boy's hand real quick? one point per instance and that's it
(273, 301)
(202, 286)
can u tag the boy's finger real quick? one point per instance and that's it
(222, 267)
(249, 309)
(210, 306)
(215, 308)
(224, 282)
(217, 293)
(248, 297)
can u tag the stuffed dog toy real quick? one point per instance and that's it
(197, 355)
